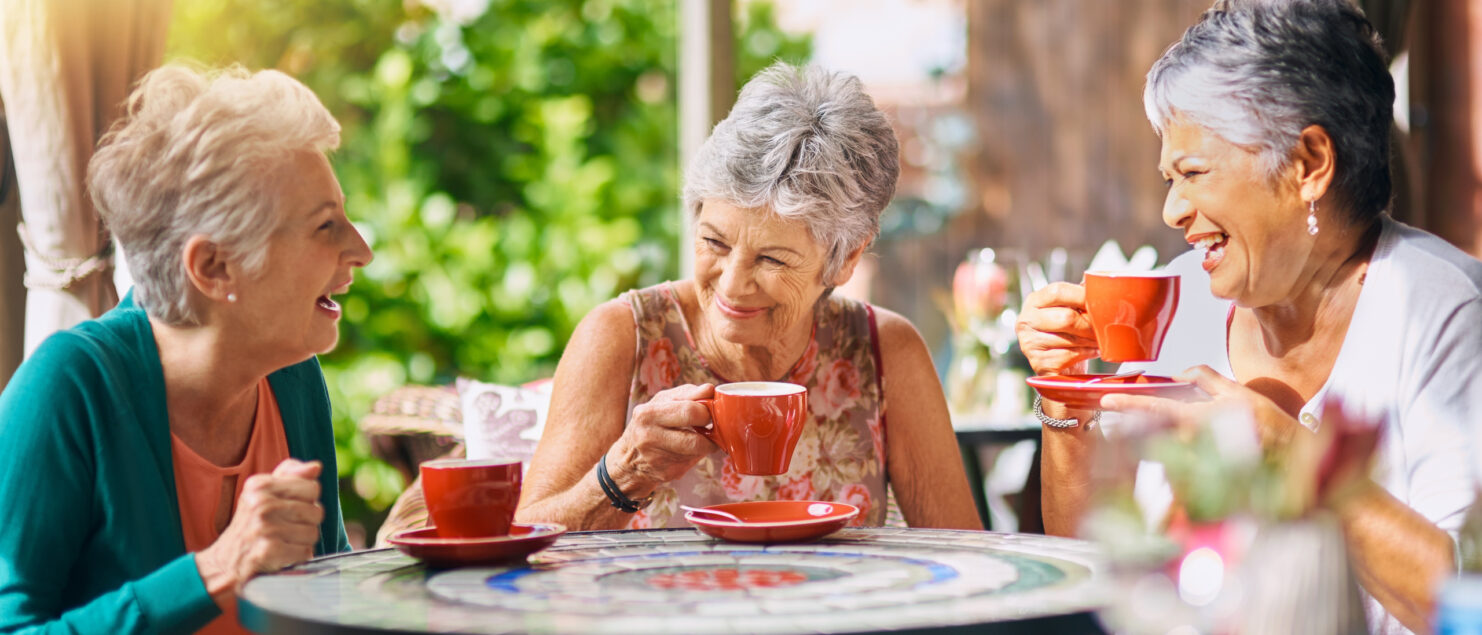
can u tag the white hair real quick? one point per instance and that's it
(201, 153)
(1257, 72)
(806, 144)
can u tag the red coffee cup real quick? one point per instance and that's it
(471, 498)
(1130, 313)
(758, 423)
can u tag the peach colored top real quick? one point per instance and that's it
(208, 492)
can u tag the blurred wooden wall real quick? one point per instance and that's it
(1064, 154)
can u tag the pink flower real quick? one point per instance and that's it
(640, 520)
(979, 288)
(836, 390)
(1351, 438)
(800, 489)
(877, 435)
(660, 368)
(807, 365)
(738, 486)
(859, 496)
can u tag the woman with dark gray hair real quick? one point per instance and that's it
(162, 454)
(786, 196)
(1275, 121)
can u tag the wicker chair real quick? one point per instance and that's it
(407, 426)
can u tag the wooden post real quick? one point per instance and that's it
(1446, 58)
(707, 88)
(12, 267)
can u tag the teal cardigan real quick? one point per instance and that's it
(90, 536)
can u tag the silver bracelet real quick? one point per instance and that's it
(1039, 413)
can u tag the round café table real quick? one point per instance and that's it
(681, 581)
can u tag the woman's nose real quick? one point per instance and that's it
(1177, 211)
(736, 280)
(359, 252)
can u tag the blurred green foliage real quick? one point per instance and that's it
(512, 163)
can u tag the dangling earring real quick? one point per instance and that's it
(1312, 217)
(231, 297)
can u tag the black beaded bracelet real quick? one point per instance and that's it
(615, 494)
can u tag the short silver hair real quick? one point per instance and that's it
(201, 153)
(1256, 72)
(807, 144)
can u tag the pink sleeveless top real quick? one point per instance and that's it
(841, 456)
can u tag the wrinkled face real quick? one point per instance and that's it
(1251, 227)
(310, 257)
(757, 275)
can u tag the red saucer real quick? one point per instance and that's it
(523, 540)
(775, 521)
(1073, 391)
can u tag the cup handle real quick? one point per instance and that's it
(709, 431)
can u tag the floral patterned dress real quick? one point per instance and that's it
(841, 455)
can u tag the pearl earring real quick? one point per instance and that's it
(1312, 217)
(231, 297)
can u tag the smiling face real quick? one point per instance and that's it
(310, 256)
(757, 275)
(1251, 226)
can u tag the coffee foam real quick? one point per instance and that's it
(759, 389)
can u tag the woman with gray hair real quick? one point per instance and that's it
(786, 196)
(1275, 121)
(162, 454)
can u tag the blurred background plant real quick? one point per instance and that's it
(1252, 538)
(981, 312)
(512, 164)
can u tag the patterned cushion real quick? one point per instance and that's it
(502, 421)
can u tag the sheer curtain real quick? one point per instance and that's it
(65, 68)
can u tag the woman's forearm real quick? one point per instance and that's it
(582, 507)
(1065, 470)
(1399, 556)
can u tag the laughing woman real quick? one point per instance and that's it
(159, 456)
(785, 195)
(1275, 122)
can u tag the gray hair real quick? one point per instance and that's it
(1256, 72)
(199, 153)
(807, 144)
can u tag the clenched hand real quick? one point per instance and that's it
(276, 524)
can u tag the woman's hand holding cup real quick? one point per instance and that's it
(660, 444)
(276, 524)
(1054, 331)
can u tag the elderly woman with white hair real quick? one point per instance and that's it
(1275, 121)
(785, 195)
(162, 454)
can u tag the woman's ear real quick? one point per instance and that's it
(208, 269)
(846, 270)
(1314, 159)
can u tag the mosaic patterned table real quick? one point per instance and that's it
(681, 581)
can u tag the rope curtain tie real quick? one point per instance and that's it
(63, 273)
